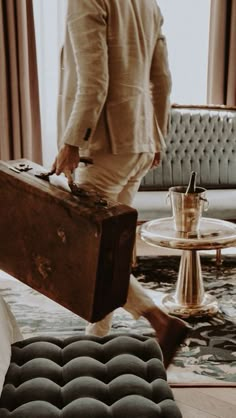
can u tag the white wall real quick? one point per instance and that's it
(186, 25)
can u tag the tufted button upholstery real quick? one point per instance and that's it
(200, 140)
(116, 376)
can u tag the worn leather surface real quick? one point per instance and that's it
(73, 249)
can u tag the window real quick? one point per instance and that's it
(186, 27)
(49, 28)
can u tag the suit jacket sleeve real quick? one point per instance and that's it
(86, 20)
(161, 81)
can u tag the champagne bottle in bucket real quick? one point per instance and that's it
(191, 206)
(191, 188)
(187, 205)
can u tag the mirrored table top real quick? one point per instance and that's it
(212, 234)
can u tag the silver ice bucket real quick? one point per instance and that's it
(187, 208)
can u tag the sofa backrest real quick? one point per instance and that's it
(201, 139)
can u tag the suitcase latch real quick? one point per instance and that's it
(22, 167)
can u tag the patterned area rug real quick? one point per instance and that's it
(207, 358)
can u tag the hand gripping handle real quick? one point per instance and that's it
(75, 189)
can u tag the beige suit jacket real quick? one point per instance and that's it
(115, 80)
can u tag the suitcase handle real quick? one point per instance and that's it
(46, 175)
(75, 189)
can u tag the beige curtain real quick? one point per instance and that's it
(20, 132)
(222, 53)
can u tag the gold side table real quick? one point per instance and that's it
(190, 298)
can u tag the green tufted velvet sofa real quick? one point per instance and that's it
(201, 139)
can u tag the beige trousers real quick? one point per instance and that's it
(118, 177)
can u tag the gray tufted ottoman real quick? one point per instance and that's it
(117, 376)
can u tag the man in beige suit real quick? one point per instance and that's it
(113, 107)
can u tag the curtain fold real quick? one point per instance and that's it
(20, 130)
(221, 83)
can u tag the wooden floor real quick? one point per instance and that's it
(197, 402)
(206, 402)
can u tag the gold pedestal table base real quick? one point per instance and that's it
(190, 298)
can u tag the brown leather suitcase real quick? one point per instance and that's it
(75, 249)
